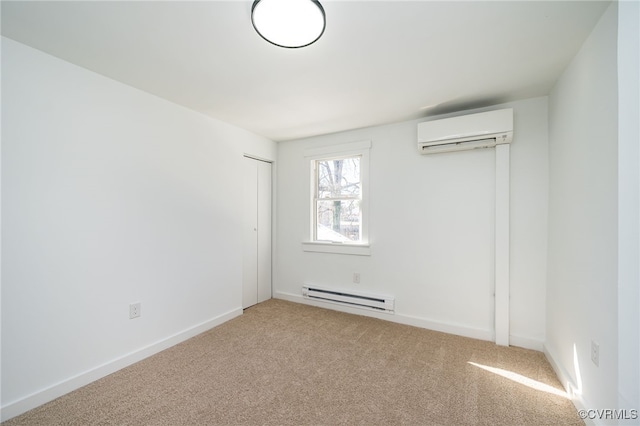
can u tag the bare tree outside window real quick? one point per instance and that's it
(338, 200)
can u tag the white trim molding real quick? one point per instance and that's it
(502, 246)
(573, 390)
(444, 327)
(337, 248)
(361, 149)
(15, 408)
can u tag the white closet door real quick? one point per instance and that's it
(256, 232)
(250, 234)
(264, 231)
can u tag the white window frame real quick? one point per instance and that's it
(354, 149)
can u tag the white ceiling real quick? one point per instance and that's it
(378, 61)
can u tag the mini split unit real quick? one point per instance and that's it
(482, 130)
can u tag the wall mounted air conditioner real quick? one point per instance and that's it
(482, 130)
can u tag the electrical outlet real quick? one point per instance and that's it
(134, 310)
(356, 277)
(595, 353)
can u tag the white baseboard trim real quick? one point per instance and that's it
(36, 399)
(575, 394)
(399, 318)
(526, 342)
(458, 330)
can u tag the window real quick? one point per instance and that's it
(338, 201)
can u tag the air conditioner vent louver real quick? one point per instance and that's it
(473, 131)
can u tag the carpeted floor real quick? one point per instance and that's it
(283, 363)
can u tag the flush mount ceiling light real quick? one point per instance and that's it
(288, 23)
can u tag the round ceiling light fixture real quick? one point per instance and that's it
(288, 23)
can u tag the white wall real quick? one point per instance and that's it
(431, 232)
(109, 196)
(629, 204)
(582, 291)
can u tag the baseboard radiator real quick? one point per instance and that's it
(373, 302)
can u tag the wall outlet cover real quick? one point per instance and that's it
(134, 310)
(595, 353)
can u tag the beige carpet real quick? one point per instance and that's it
(284, 363)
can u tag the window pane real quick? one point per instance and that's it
(338, 221)
(338, 178)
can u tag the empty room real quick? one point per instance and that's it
(301, 212)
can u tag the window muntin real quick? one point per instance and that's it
(337, 200)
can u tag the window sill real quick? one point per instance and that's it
(337, 248)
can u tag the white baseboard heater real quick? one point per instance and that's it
(369, 301)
